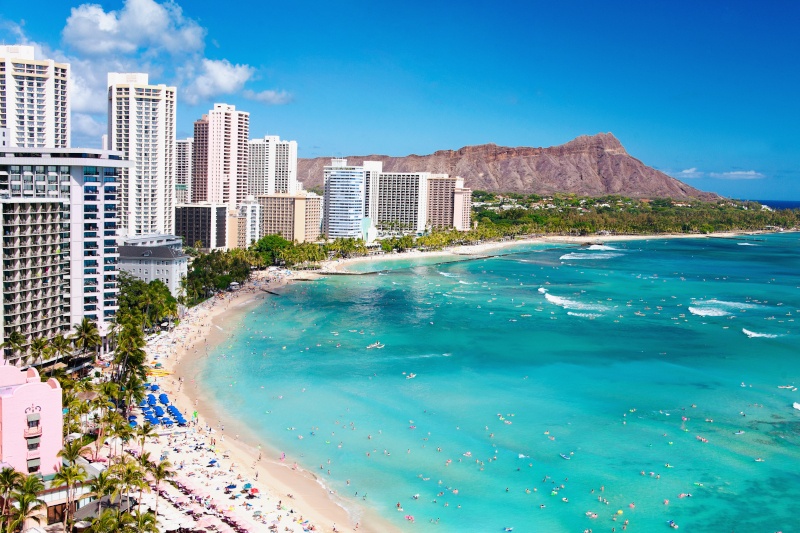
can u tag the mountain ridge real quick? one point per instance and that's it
(589, 165)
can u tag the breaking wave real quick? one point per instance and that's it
(584, 315)
(580, 256)
(568, 303)
(601, 247)
(708, 311)
(753, 334)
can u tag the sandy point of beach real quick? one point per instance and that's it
(203, 328)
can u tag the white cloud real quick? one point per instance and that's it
(218, 76)
(689, 173)
(269, 97)
(86, 127)
(738, 175)
(692, 173)
(140, 25)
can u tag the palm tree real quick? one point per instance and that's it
(145, 522)
(142, 432)
(69, 476)
(103, 485)
(159, 472)
(71, 451)
(106, 522)
(14, 343)
(10, 480)
(28, 505)
(86, 336)
(61, 347)
(40, 349)
(129, 477)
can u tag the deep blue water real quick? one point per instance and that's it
(781, 204)
(628, 358)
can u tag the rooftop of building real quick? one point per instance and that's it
(152, 252)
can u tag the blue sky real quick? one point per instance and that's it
(705, 91)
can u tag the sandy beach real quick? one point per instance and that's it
(289, 498)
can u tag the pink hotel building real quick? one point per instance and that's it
(31, 421)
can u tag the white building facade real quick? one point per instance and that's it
(81, 260)
(272, 166)
(343, 206)
(141, 125)
(34, 99)
(149, 263)
(183, 170)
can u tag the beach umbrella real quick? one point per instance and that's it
(154, 387)
(231, 486)
(248, 486)
(132, 423)
(159, 410)
(204, 522)
(253, 491)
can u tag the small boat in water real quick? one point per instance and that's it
(375, 345)
(565, 456)
(796, 405)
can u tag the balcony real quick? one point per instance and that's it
(35, 431)
(33, 454)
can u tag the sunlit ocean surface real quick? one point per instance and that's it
(660, 368)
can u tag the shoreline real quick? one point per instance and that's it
(208, 325)
(203, 329)
(486, 248)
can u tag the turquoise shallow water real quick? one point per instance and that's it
(621, 357)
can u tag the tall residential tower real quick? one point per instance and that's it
(141, 125)
(219, 156)
(34, 102)
(272, 166)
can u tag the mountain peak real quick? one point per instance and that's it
(589, 165)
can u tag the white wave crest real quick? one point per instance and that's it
(542, 290)
(708, 311)
(448, 274)
(601, 247)
(753, 334)
(725, 304)
(584, 315)
(746, 244)
(461, 281)
(580, 256)
(567, 303)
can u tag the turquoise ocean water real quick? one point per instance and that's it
(632, 357)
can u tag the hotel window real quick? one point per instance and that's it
(33, 444)
(33, 420)
(33, 465)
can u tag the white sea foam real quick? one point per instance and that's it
(578, 256)
(601, 247)
(584, 315)
(746, 244)
(567, 303)
(708, 311)
(724, 305)
(464, 282)
(448, 274)
(542, 290)
(753, 334)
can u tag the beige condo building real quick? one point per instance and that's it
(295, 217)
(449, 203)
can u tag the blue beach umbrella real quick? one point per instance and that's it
(132, 423)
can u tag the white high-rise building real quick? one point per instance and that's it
(219, 173)
(344, 215)
(59, 222)
(183, 170)
(141, 125)
(272, 166)
(34, 102)
(400, 202)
